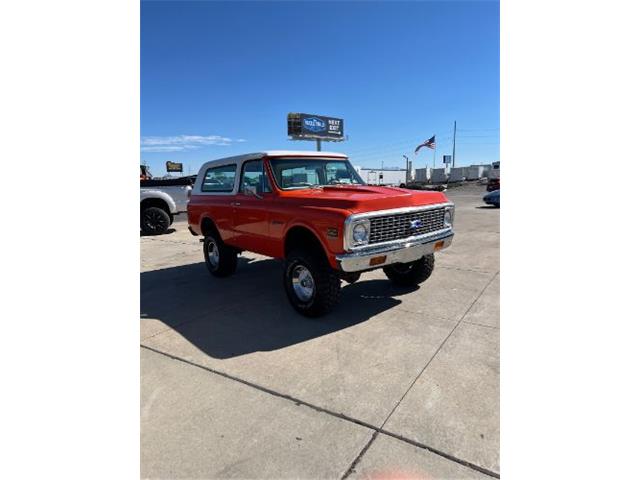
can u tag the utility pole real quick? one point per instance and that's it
(454, 145)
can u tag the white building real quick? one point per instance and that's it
(382, 176)
(438, 175)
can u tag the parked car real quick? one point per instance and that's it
(493, 184)
(492, 198)
(314, 211)
(160, 201)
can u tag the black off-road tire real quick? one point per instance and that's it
(154, 221)
(227, 256)
(410, 274)
(327, 282)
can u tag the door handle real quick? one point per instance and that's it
(235, 204)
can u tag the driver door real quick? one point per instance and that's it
(251, 212)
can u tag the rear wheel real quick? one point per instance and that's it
(312, 286)
(221, 260)
(408, 274)
(154, 221)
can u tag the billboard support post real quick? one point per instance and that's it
(318, 144)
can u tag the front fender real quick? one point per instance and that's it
(327, 226)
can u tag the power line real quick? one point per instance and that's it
(393, 146)
(478, 129)
(376, 147)
(439, 136)
(479, 136)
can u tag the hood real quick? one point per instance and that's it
(365, 198)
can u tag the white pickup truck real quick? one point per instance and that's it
(160, 201)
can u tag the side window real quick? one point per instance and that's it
(219, 179)
(253, 176)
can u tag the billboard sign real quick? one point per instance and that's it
(446, 159)
(302, 126)
(174, 167)
(314, 124)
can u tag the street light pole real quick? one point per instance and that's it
(408, 175)
(454, 145)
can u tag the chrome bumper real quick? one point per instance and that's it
(402, 252)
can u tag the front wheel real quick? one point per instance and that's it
(410, 274)
(312, 286)
(221, 260)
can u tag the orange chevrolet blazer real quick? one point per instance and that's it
(313, 210)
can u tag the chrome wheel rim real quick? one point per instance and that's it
(213, 254)
(303, 284)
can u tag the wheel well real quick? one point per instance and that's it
(155, 202)
(301, 237)
(208, 227)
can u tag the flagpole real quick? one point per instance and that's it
(434, 160)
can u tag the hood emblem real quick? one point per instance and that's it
(415, 224)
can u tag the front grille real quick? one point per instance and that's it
(399, 226)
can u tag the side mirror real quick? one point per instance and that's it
(252, 190)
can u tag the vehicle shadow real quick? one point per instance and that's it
(249, 311)
(170, 230)
(487, 207)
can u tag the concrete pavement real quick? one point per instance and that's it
(393, 380)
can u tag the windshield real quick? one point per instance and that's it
(313, 172)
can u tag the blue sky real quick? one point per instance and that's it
(218, 78)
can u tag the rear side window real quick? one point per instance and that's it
(219, 179)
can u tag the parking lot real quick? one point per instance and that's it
(393, 382)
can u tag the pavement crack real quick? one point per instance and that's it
(381, 428)
(448, 456)
(261, 388)
(341, 416)
(481, 325)
(439, 348)
(460, 269)
(352, 467)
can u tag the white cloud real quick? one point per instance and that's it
(163, 148)
(181, 143)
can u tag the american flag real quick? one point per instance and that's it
(431, 143)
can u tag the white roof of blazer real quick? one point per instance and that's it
(271, 153)
(238, 159)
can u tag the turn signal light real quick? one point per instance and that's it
(438, 245)
(377, 260)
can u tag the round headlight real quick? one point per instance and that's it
(360, 233)
(448, 217)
